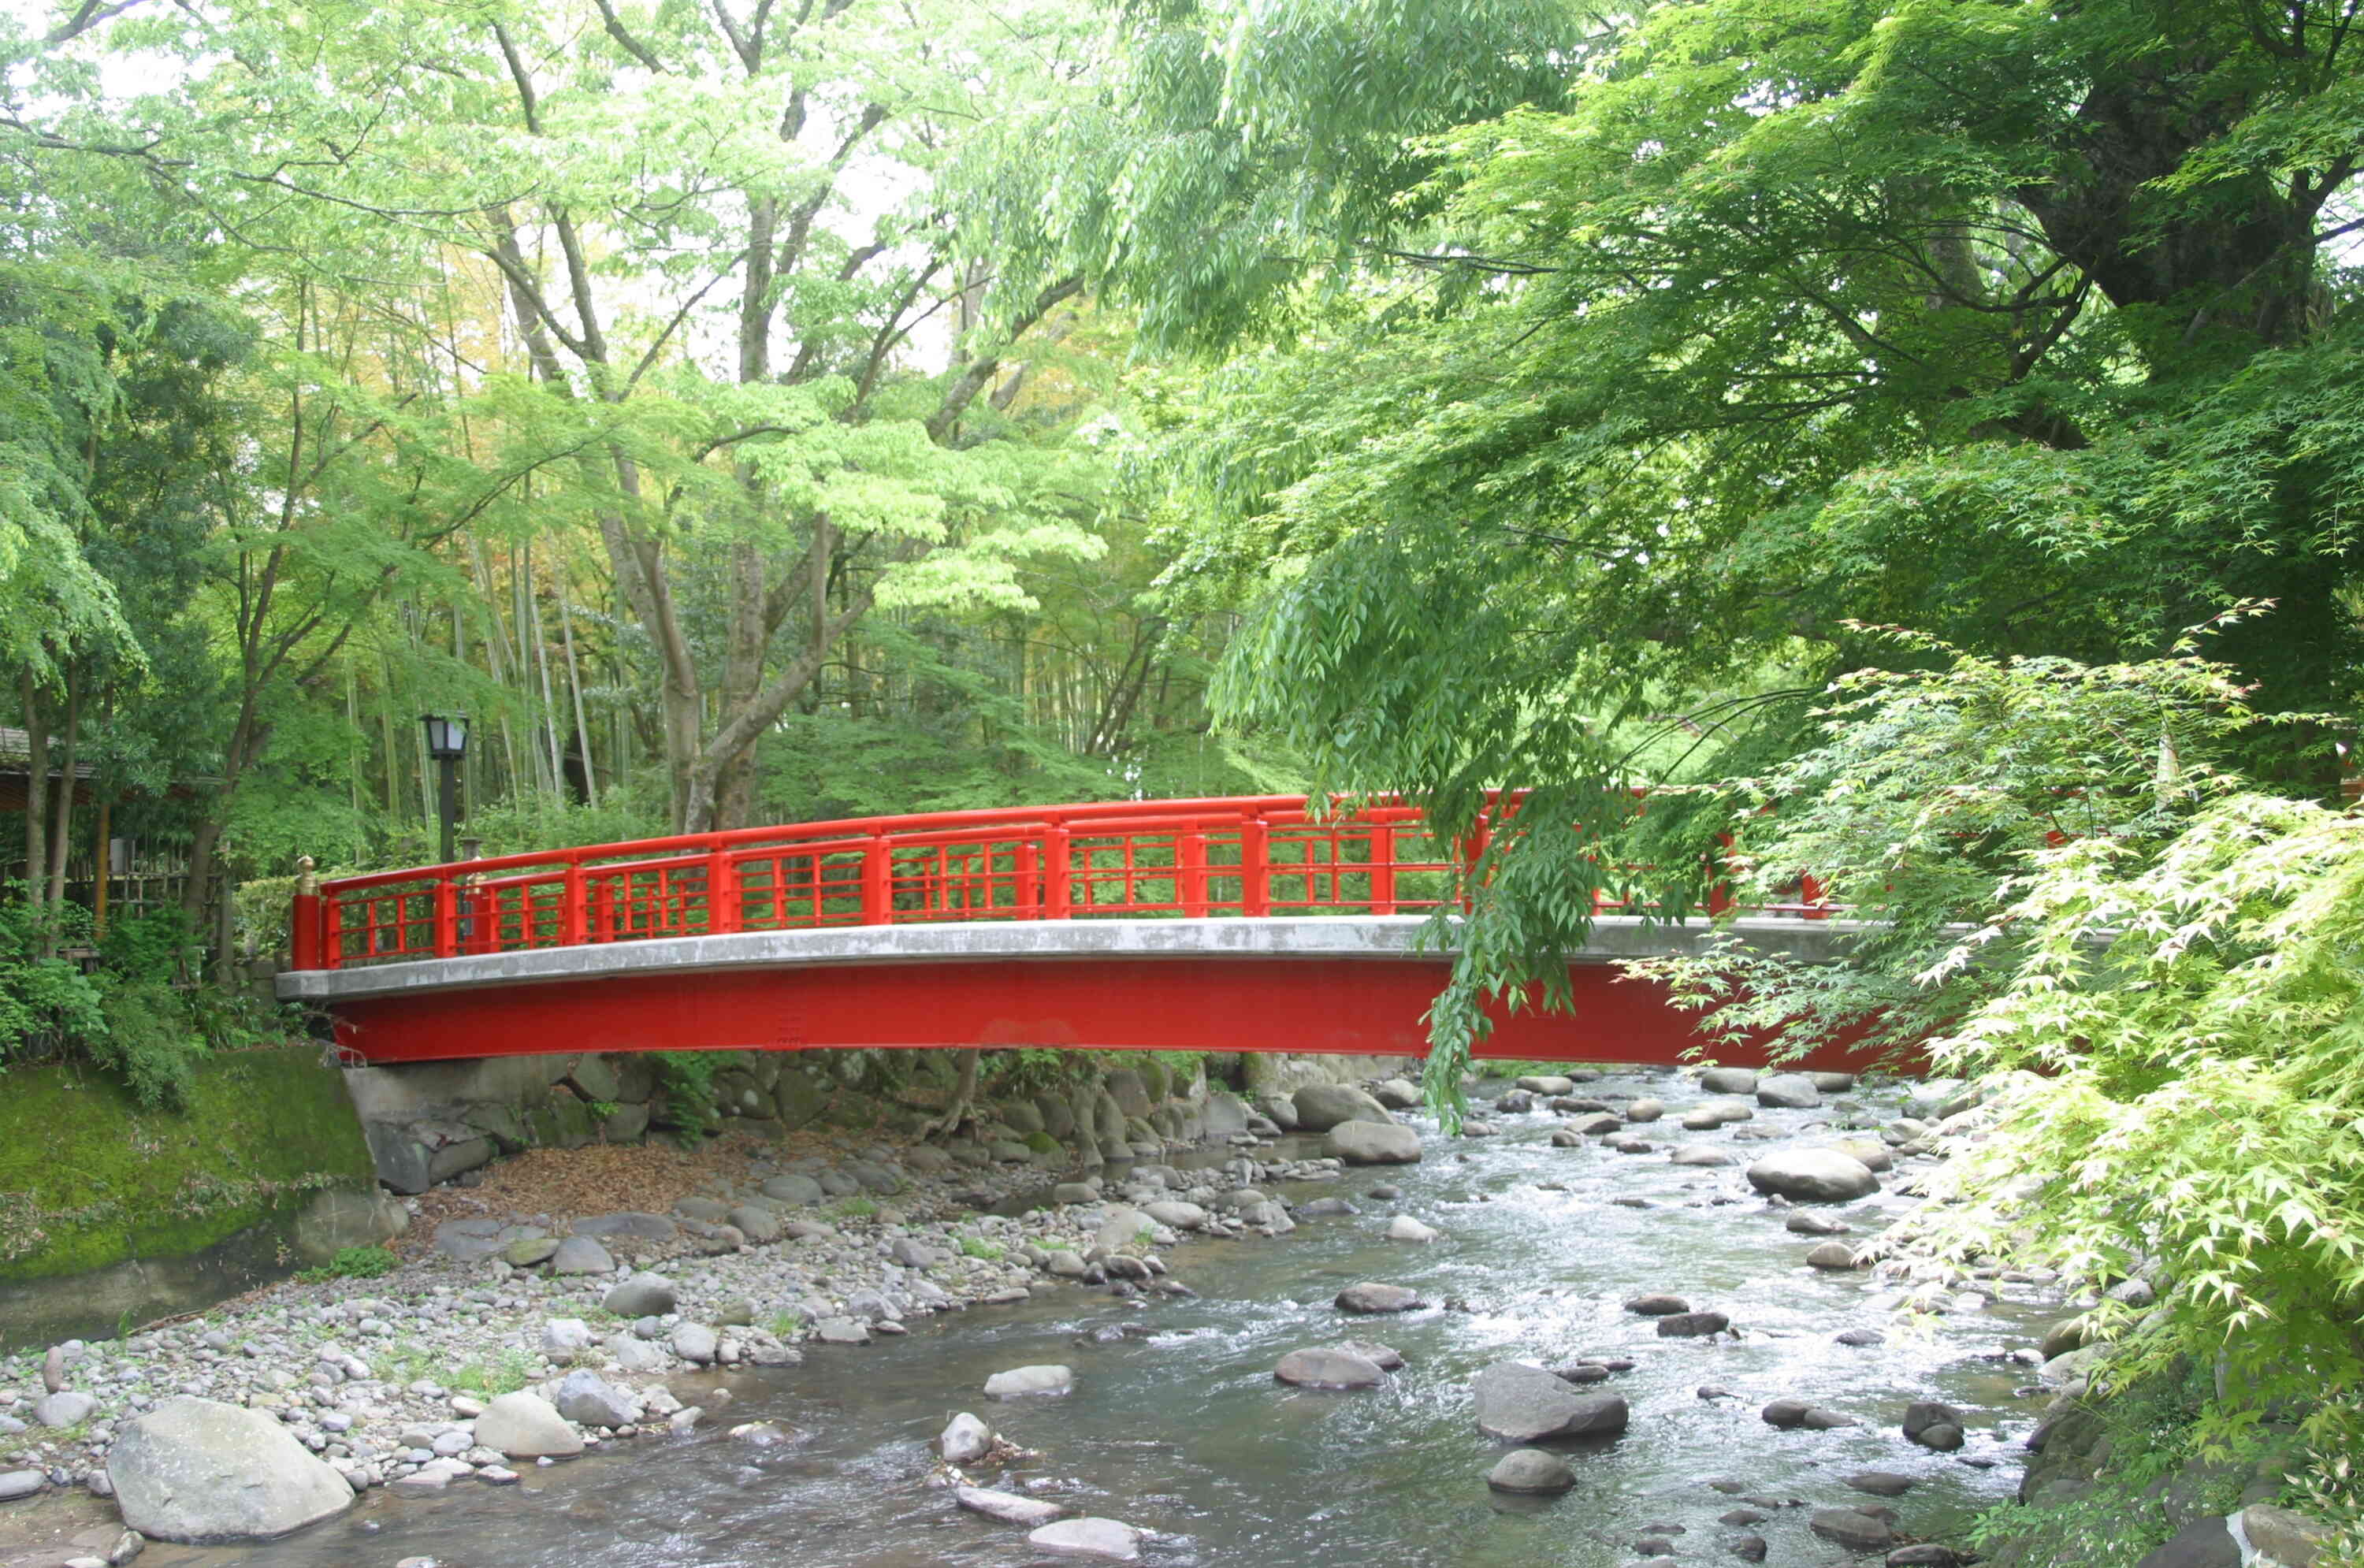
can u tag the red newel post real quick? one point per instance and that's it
(877, 866)
(1190, 855)
(1255, 868)
(304, 924)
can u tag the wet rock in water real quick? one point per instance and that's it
(1518, 1102)
(1384, 1193)
(1644, 1111)
(1698, 1154)
(1692, 1325)
(1105, 1540)
(1396, 1094)
(1580, 1372)
(1566, 1137)
(1372, 1143)
(1031, 1382)
(842, 1332)
(1404, 1228)
(1818, 1419)
(1322, 1107)
(1805, 1222)
(1728, 1080)
(203, 1473)
(16, 1483)
(1326, 1208)
(1788, 1414)
(1595, 1124)
(1531, 1470)
(1788, 1091)
(695, 1344)
(1473, 1128)
(524, 1425)
(1521, 1404)
(964, 1441)
(581, 1255)
(1629, 1144)
(1737, 1517)
(1880, 1483)
(1328, 1366)
(1933, 1425)
(1387, 1358)
(586, 1397)
(643, 1295)
(1657, 1306)
(1813, 1175)
(1010, 1507)
(1547, 1084)
(1750, 1548)
(1832, 1256)
(1370, 1297)
(2068, 1335)
(1856, 1531)
(1923, 1554)
(1861, 1337)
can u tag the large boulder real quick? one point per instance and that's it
(643, 1295)
(1728, 1080)
(203, 1473)
(1396, 1094)
(1030, 1383)
(1521, 1403)
(586, 1397)
(1321, 1107)
(1813, 1176)
(1370, 1143)
(526, 1426)
(335, 1220)
(1109, 1540)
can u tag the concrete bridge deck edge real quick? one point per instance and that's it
(1376, 938)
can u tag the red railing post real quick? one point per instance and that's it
(1472, 851)
(1383, 867)
(1719, 887)
(1191, 860)
(877, 866)
(723, 914)
(1029, 895)
(1058, 894)
(1811, 893)
(447, 918)
(574, 919)
(1256, 867)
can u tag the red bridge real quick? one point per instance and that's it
(1247, 923)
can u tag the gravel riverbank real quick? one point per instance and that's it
(604, 1317)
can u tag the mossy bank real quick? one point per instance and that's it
(111, 1214)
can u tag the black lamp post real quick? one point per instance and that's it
(447, 742)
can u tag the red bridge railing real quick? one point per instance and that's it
(1243, 856)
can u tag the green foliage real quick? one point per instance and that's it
(353, 1263)
(785, 1325)
(509, 1369)
(688, 1079)
(856, 1208)
(978, 1247)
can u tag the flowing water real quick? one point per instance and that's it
(1183, 1432)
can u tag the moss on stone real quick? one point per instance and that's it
(88, 1179)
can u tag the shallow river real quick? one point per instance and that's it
(1186, 1434)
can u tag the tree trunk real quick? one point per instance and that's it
(62, 839)
(37, 787)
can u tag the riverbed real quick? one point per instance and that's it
(1179, 1428)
